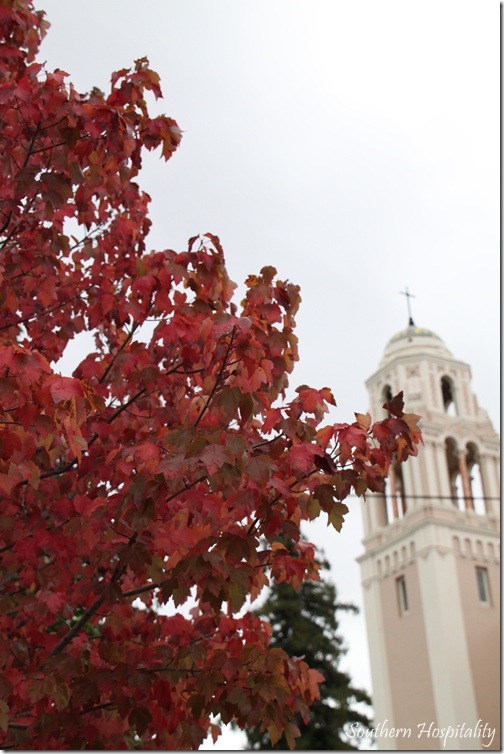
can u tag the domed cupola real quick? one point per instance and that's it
(413, 341)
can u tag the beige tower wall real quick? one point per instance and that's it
(482, 626)
(408, 659)
(449, 663)
(438, 663)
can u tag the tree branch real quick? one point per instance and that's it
(105, 705)
(38, 315)
(88, 614)
(219, 377)
(60, 646)
(134, 328)
(143, 589)
(29, 152)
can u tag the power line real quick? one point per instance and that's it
(431, 497)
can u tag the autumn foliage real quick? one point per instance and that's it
(169, 467)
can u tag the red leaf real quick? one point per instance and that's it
(395, 405)
(64, 388)
(214, 456)
(302, 456)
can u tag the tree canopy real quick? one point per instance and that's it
(154, 473)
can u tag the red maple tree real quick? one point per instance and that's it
(169, 467)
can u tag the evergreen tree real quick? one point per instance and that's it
(304, 623)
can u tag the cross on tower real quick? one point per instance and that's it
(408, 296)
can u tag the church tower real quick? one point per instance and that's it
(430, 570)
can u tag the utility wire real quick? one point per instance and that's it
(429, 497)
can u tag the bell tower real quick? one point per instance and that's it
(431, 565)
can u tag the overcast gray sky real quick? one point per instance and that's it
(354, 146)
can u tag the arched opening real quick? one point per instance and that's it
(390, 499)
(401, 495)
(452, 461)
(459, 491)
(448, 391)
(387, 394)
(394, 493)
(475, 481)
